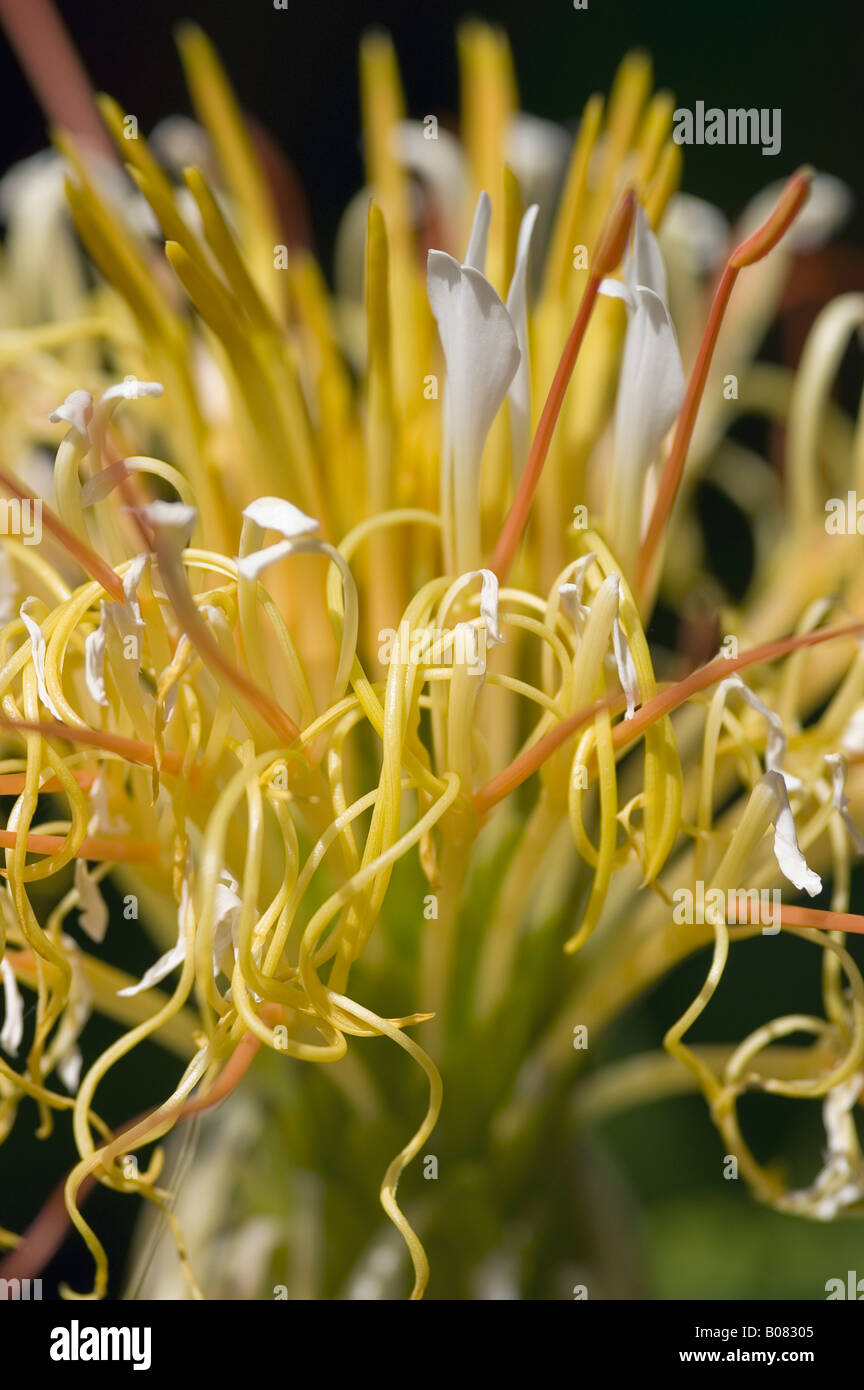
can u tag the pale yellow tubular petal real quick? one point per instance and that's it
(572, 209)
(605, 859)
(383, 107)
(220, 114)
(627, 100)
(663, 777)
(653, 138)
(666, 181)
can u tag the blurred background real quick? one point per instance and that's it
(682, 1231)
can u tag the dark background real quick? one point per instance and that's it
(296, 69)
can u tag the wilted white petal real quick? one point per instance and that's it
(131, 580)
(173, 516)
(791, 861)
(776, 742)
(37, 643)
(171, 959)
(519, 395)
(94, 660)
(570, 592)
(475, 256)
(131, 389)
(840, 1184)
(101, 821)
(94, 913)
(488, 602)
(77, 411)
(275, 514)
(625, 665)
(839, 769)
(13, 1011)
(227, 906)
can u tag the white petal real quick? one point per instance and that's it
(570, 592)
(250, 566)
(131, 389)
(69, 1068)
(650, 388)
(131, 580)
(480, 348)
(77, 411)
(644, 265)
(776, 742)
(94, 661)
(101, 821)
(227, 906)
(625, 665)
(94, 913)
(839, 769)
(275, 514)
(37, 642)
(174, 515)
(475, 256)
(791, 861)
(171, 959)
(488, 603)
(519, 394)
(12, 1031)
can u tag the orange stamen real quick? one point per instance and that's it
(12, 783)
(790, 203)
(668, 700)
(609, 253)
(126, 850)
(128, 748)
(89, 561)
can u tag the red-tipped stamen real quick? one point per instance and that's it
(609, 253)
(790, 203)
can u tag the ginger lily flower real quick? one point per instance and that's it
(348, 862)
